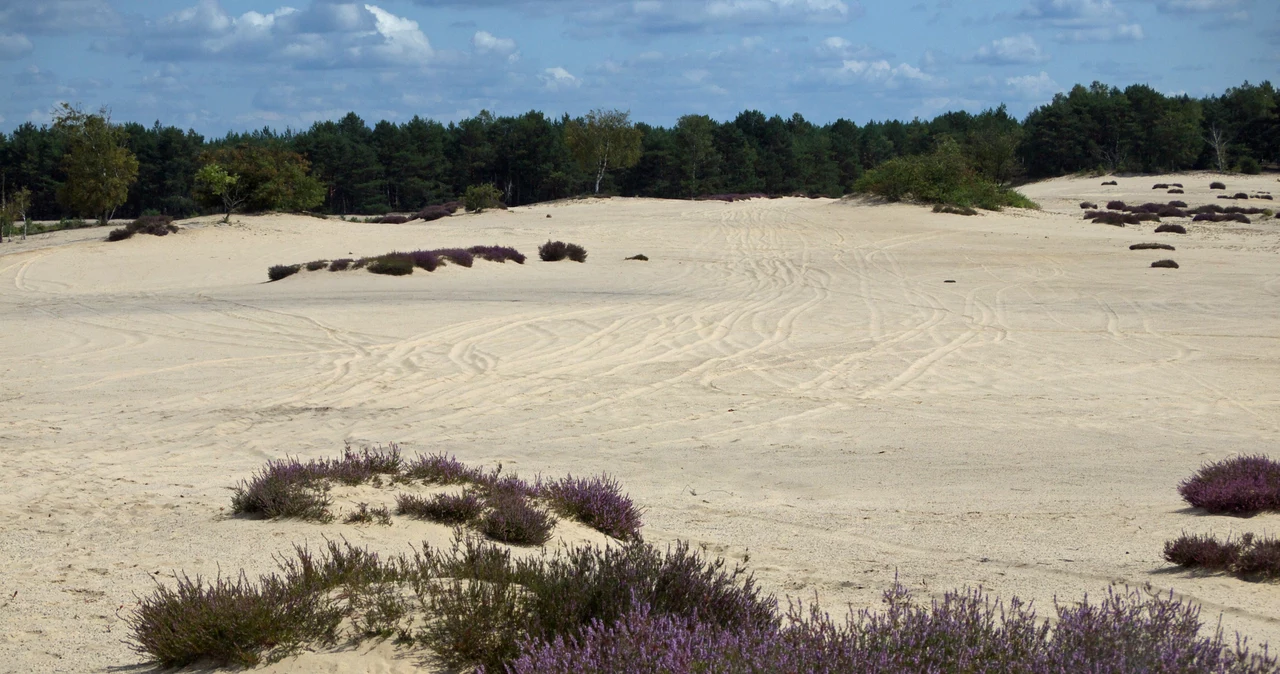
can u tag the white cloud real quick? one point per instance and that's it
(1019, 49)
(14, 46)
(486, 43)
(882, 73)
(1033, 87)
(1072, 13)
(1131, 32)
(558, 79)
(402, 42)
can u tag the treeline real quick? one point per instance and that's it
(404, 167)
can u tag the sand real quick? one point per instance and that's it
(790, 381)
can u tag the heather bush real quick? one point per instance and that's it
(1164, 264)
(317, 265)
(1117, 205)
(1246, 557)
(286, 488)
(362, 263)
(1178, 204)
(597, 502)
(1160, 186)
(1241, 485)
(281, 271)
(553, 251)
(1263, 196)
(1240, 195)
(1171, 229)
(511, 519)
(119, 234)
(575, 252)
(642, 257)
(1110, 182)
(451, 509)
(340, 265)
(390, 220)
(497, 254)
(1177, 191)
(1146, 217)
(393, 264)
(1177, 185)
(1208, 208)
(433, 213)
(363, 514)
(954, 210)
(730, 198)
(1113, 218)
(1088, 205)
(440, 469)
(1217, 186)
(458, 256)
(482, 197)
(425, 259)
(1151, 246)
(155, 225)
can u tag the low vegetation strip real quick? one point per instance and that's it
(403, 264)
(1246, 557)
(943, 177)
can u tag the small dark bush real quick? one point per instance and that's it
(442, 508)
(1146, 217)
(1088, 205)
(1208, 208)
(954, 210)
(1266, 197)
(1217, 186)
(283, 271)
(575, 252)
(1160, 186)
(1177, 191)
(362, 263)
(452, 206)
(1225, 196)
(498, 254)
(1116, 219)
(1178, 204)
(597, 502)
(363, 514)
(1151, 246)
(340, 265)
(1110, 182)
(458, 256)
(425, 259)
(1246, 557)
(1177, 185)
(1240, 195)
(1171, 229)
(1171, 212)
(1117, 205)
(512, 520)
(1164, 264)
(553, 251)
(641, 258)
(433, 213)
(1239, 217)
(119, 234)
(394, 264)
(155, 225)
(1242, 485)
(390, 220)
(283, 489)
(1206, 217)
(317, 265)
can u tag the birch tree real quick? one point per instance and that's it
(603, 140)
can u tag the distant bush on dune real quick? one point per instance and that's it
(425, 259)
(730, 198)
(1217, 186)
(317, 265)
(392, 264)
(576, 253)
(281, 271)
(497, 254)
(480, 198)
(433, 213)
(155, 225)
(1151, 246)
(1110, 183)
(1178, 204)
(1116, 205)
(553, 251)
(458, 256)
(954, 210)
(1250, 166)
(119, 234)
(390, 220)
(1176, 191)
(1171, 229)
(1113, 218)
(1086, 205)
(340, 265)
(1160, 186)
(1165, 264)
(1240, 195)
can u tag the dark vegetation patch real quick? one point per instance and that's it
(1217, 186)
(155, 225)
(1177, 185)
(954, 210)
(1178, 204)
(1088, 205)
(1240, 195)
(641, 257)
(1177, 191)
(553, 251)
(497, 254)
(944, 176)
(1171, 229)
(1151, 246)
(1222, 217)
(1110, 182)
(510, 518)
(393, 264)
(363, 514)
(340, 265)
(458, 256)
(390, 220)
(597, 502)
(317, 265)
(1249, 557)
(283, 271)
(633, 609)
(1112, 218)
(1160, 186)
(1116, 206)
(452, 509)
(1164, 264)
(575, 252)
(1241, 485)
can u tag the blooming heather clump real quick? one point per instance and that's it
(458, 256)
(553, 251)
(497, 254)
(1246, 557)
(283, 489)
(281, 271)
(597, 502)
(317, 265)
(393, 264)
(442, 469)
(1241, 485)
(441, 508)
(432, 213)
(1088, 205)
(340, 265)
(511, 519)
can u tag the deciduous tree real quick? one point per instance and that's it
(99, 168)
(604, 140)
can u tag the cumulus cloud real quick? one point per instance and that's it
(559, 79)
(487, 43)
(882, 73)
(1032, 87)
(14, 46)
(1072, 13)
(326, 35)
(1019, 49)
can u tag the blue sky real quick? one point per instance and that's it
(218, 65)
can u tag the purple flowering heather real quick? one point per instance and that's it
(597, 502)
(1242, 485)
(498, 254)
(458, 256)
(440, 469)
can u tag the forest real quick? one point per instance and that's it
(353, 168)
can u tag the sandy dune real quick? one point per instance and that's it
(789, 380)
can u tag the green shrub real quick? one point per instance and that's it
(1250, 166)
(480, 197)
(943, 177)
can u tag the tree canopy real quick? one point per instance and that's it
(99, 168)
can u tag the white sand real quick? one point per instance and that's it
(790, 380)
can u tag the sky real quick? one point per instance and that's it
(222, 65)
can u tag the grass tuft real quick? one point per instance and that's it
(340, 265)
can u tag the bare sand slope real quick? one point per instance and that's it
(789, 380)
